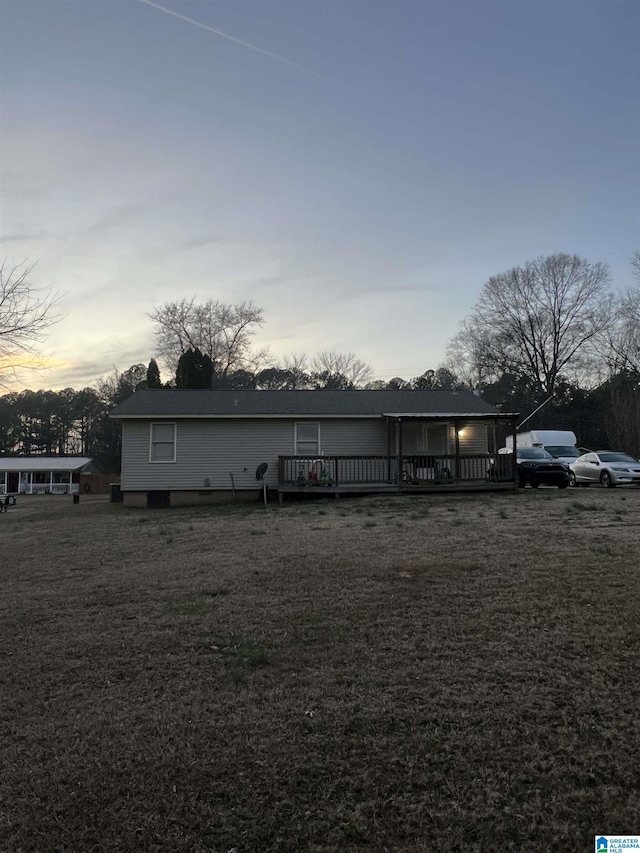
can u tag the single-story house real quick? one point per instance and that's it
(184, 446)
(39, 475)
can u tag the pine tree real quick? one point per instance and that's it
(153, 375)
(195, 370)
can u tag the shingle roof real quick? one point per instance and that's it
(43, 463)
(172, 402)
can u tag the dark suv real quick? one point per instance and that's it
(539, 468)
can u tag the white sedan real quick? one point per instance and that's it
(608, 467)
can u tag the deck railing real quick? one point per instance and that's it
(416, 469)
(45, 489)
(502, 470)
(337, 470)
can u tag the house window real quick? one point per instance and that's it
(163, 443)
(307, 439)
(435, 438)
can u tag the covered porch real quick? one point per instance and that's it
(39, 483)
(425, 453)
(42, 475)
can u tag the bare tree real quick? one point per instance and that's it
(442, 377)
(223, 332)
(346, 364)
(630, 322)
(326, 369)
(630, 305)
(299, 367)
(26, 312)
(297, 362)
(621, 344)
(538, 321)
(621, 411)
(118, 386)
(471, 357)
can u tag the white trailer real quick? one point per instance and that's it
(560, 443)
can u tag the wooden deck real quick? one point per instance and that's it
(321, 491)
(368, 475)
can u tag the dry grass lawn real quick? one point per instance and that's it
(384, 674)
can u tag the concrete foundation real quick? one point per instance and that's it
(194, 497)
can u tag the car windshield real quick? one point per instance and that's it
(562, 450)
(616, 457)
(532, 453)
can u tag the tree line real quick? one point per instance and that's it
(68, 422)
(551, 334)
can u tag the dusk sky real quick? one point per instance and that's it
(357, 168)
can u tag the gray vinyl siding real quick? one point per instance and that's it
(473, 439)
(214, 450)
(354, 437)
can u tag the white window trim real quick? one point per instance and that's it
(318, 452)
(151, 442)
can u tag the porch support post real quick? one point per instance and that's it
(456, 424)
(514, 461)
(494, 438)
(389, 422)
(399, 440)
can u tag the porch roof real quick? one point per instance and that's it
(448, 416)
(29, 464)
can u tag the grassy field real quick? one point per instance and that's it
(385, 674)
